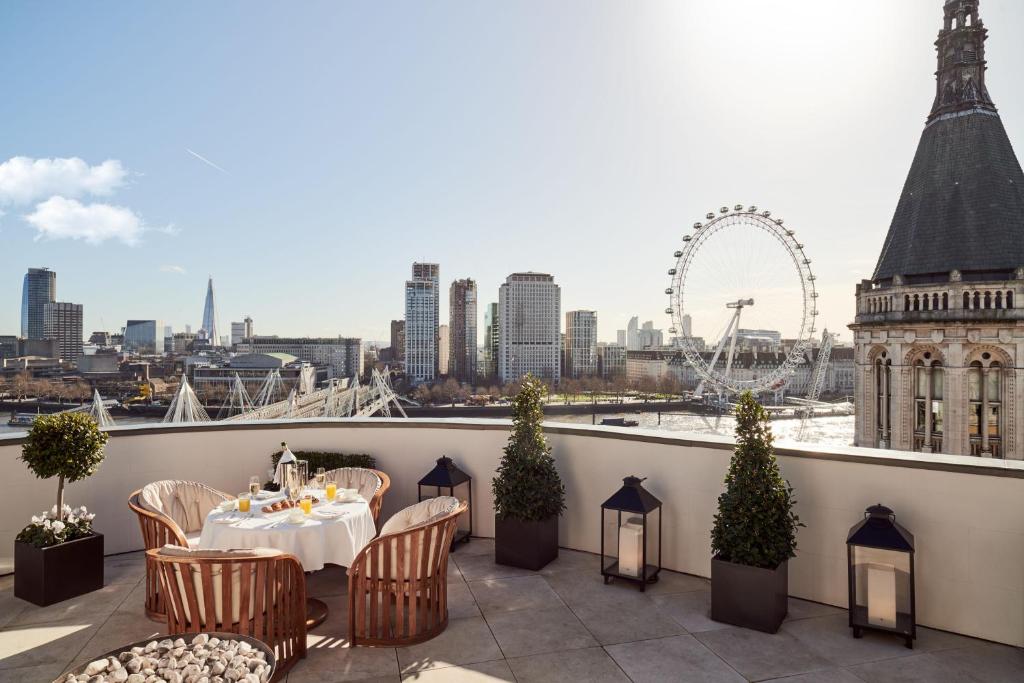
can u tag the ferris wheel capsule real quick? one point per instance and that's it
(668, 311)
(698, 226)
(671, 271)
(766, 214)
(668, 290)
(678, 254)
(672, 330)
(779, 221)
(724, 209)
(738, 207)
(710, 216)
(753, 208)
(687, 238)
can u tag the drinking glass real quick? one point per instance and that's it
(254, 485)
(331, 491)
(244, 500)
(321, 477)
(306, 503)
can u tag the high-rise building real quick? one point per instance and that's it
(580, 344)
(342, 356)
(398, 340)
(38, 289)
(620, 338)
(529, 310)
(687, 325)
(462, 319)
(210, 314)
(238, 333)
(8, 346)
(648, 337)
(422, 300)
(611, 360)
(249, 329)
(633, 334)
(143, 337)
(443, 349)
(492, 337)
(937, 332)
(63, 322)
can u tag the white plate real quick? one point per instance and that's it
(224, 520)
(328, 514)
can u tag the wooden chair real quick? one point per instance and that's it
(259, 593)
(160, 529)
(398, 583)
(371, 484)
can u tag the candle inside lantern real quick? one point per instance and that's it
(631, 547)
(881, 595)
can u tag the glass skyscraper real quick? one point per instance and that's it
(38, 289)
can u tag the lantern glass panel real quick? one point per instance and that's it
(625, 539)
(882, 589)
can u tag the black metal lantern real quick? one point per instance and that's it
(880, 555)
(635, 542)
(448, 480)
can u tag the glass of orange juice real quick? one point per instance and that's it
(306, 503)
(331, 491)
(244, 502)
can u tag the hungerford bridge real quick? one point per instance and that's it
(340, 398)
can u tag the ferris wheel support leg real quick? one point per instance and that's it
(729, 334)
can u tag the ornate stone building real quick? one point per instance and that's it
(940, 325)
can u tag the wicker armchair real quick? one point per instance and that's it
(164, 524)
(371, 484)
(259, 593)
(398, 583)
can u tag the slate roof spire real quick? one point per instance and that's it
(962, 207)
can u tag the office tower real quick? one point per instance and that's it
(611, 361)
(63, 323)
(38, 288)
(143, 337)
(937, 324)
(210, 314)
(398, 340)
(421, 321)
(580, 344)
(342, 356)
(620, 338)
(529, 308)
(687, 325)
(443, 349)
(633, 334)
(462, 319)
(492, 335)
(248, 330)
(648, 337)
(237, 333)
(8, 346)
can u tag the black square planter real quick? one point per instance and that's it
(44, 576)
(750, 597)
(527, 545)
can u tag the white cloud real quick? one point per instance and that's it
(62, 218)
(172, 269)
(24, 180)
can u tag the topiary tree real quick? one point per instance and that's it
(528, 487)
(755, 524)
(68, 446)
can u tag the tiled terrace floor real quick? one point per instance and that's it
(560, 624)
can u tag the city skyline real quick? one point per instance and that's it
(660, 162)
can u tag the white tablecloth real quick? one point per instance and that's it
(315, 541)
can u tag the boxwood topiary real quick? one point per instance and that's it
(755, 524)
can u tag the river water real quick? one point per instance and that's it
(832, 431)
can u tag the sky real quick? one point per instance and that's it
(305, 154)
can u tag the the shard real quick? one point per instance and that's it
(210, 315)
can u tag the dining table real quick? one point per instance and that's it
(333, 533)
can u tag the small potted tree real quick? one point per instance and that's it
(755, 529)
(528, 493)
(58, 555)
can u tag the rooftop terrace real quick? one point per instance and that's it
(563, 623)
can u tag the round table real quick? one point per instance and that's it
(315, 541)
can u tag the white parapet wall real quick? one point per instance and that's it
(967, 514)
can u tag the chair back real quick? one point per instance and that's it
(186, 503)
(398, 583)
(371, 485)
(259, 593)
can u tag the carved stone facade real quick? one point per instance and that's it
(939, 331)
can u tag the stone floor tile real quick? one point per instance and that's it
(330, 659)
(580, 588)
(508, 595)
(125, 568)
(573, 560)
(119, 629)
(826, 676)
(988, 661)
(331, 580)
(465, 641)
(537, 631)
(485, 672)
(10, 606)
(676, 582)
(624, 622)
(691, 610)
(483, 567)
(758, 655)
(920, 668)
(460, 601)
(476, 546)
(43, 644)
(454, 573)
(86, 608)
(42, 672)
(805, 609)
(679, 658)
(135, 603)
(592, 665)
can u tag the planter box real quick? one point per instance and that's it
(44, 576)
(527, 545)
(750, 597)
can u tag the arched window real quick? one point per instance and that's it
(988, 300)
(917, 302)
(999, 299)
(967, 300)
(984, 395)
(883, 400)
(977, 300)
(945, 301)
(924, 302)
(928, 409)
(906, 302)
(935, 302)
(1009, 299)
